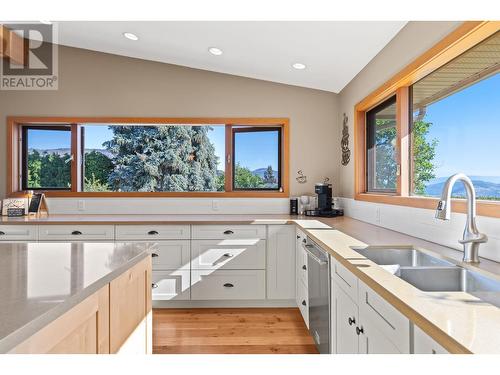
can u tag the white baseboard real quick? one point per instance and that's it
(223, 304)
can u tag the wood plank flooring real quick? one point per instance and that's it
(231, 331)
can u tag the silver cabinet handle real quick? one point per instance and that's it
(228, 285)
(313, 257)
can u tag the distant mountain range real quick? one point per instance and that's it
(261, 171)
(486, 186)
(63, 151)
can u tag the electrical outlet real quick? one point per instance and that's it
(215, 205)
(81, 205)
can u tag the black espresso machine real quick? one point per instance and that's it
(324, 193)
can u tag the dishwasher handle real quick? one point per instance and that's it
(313, 256)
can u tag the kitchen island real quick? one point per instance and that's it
(75, 297)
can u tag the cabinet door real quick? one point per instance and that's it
(82, 330)
(346, 316)
(424, 344)
(171, 255)
(281, 262)
(371, 340)
(130, 308)
(171, 285)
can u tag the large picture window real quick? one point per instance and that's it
(437, 117)
(112, 157)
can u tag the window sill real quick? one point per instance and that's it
(484, 208)
(201, 194)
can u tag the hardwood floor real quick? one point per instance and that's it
(231, 331)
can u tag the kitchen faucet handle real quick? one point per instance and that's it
(480, 238)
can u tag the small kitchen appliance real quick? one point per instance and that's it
(324, 197)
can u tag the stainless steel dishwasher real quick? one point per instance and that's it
(318, 273)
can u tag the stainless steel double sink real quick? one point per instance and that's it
(433, 274)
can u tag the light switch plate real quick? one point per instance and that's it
(215, 205)
(81, 205)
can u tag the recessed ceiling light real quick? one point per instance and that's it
(215, 51)
(45, 22)
(298, 66)
(130, 36)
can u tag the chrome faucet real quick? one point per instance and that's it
(472, 237)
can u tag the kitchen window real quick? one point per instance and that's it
(381, 147)
(257, 158)
(47, 158)
(161, 157)
(437, 117)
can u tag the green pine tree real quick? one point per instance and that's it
(162, 158)
(269, 176)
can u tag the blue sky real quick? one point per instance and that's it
(255, 150)
(467, 127)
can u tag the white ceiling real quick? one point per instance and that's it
(334, 52)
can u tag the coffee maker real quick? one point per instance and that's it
(324, 194)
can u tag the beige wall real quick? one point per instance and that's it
(413, 40)
(98, 84)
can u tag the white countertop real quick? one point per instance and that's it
(41, 281)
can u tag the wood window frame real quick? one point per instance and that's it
(250, 129)
(15, 125)
(464, 37)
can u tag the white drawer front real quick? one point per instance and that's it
(228, 285)
(218, 232)
(228, 254)
(153, 232)
(171, 255)
(389, 321)
(170, 285)
(345, 279)
(76, 232)
(18, 232)
(302, 265)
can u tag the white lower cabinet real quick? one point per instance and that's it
(228, 285)
(301, 282)
(364, 323)
(171, 285)
(424, 344)
(371, 340)
(171, 255)
(346, 320)
(281, 262)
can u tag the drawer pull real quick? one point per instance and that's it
(304, 267)
(304, 303)
(154, 285)
(153, 233)
(154, 255)
(2, 233)
(351, 321)
(377, 312)
(228, 285)
(359, 331)
(76, 233)
(228, 232)
(227, 255)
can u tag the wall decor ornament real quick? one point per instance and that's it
(346, 153)
(301, 179)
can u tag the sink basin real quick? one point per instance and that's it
(453, 279)
(405, 257)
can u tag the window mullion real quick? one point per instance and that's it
(229, 159)
(402, 140)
